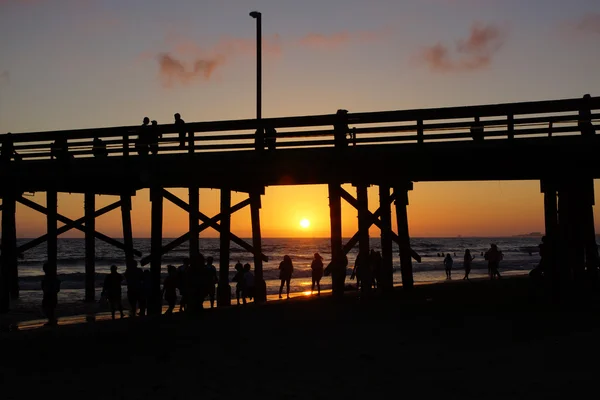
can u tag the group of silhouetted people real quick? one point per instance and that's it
(493, 256)
(368, 267)
(149, 135)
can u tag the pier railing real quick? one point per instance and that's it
(511, 121)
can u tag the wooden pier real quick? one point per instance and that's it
(553, 142)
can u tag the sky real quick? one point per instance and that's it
(67, 64)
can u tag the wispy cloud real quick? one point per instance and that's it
(473, 53)
(174, 71)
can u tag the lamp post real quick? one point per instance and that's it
(259, 131)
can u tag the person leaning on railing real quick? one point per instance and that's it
(477, 130)
(340, 129)
(99, 148)
(8, 148)
(585, 117)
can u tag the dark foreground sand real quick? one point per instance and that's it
(463, 340)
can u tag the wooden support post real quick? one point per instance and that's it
(551, 224)
(224, 290)
(194, 225)
(420, 133)
(404, 245)
(338, 274)
(576, 229)
(363, 242)
(155, 303)
(589, 233)
(9, 277)
(564, 236)
(511, 126)
(260, 285)
(127, 230)
(52, 208)
(387, 263)
(90, 246)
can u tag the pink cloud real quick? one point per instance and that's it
(589, 23)
(473, 53)
(174, 71)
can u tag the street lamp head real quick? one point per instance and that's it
(255, 14)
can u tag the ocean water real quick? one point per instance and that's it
(520, 256)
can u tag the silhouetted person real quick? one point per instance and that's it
(361, 264)
(182, 283)
(169, 291)
(340, 129)
(317, 273)
(99, 148)
(477, 130)
(270, 137)
(542, 268)
(196, 285)
(375, 262)
(248, 284)
(50, 289)
(493, 257)
(286, 268)
(141, 143)
(448, 266)
(211, 279)
(585, 117)
(353, 136)
(8, 148)
(146, 292)
(181, 129)
(112, 291)
(238, 278)
(153, 136)
(134, 277)
(468, 259)
(60, 150)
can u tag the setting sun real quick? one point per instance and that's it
(304, 223)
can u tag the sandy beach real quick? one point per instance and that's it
(463, 340)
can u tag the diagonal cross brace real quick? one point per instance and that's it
(67, 227)
(373, 219)
(182, 239)
(79, 226)
(184, 206)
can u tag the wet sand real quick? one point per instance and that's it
(462, 340)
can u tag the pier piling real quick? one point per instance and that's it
(90, 246)
(401, 193)
(224, 289)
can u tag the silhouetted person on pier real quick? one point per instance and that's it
(182, 283)
(448, 266)
(340, 129)
(585, 117)
(238, 278)
(181, 129)
(493, 257)
(286, 268)
(50, 289)
(169, 291)
(8, 148)
(477, 130)
(248, 284)
(99, 148)
(153, 136)
(211, 279)
(112, 291)
(317, 273)
(141, 143)
(134, 277)
(146, 292)
(468, 259)
(60, 150)
(270, 137)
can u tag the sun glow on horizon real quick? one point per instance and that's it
(304, 223)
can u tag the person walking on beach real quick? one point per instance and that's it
(169, 291)
(146, 291)
(210, 280)
(286, 268)
(448, 266)
(195, 284)
(493, 257)
(360, 265)
(375, 262)
(238, 278)
(50, 289)
(468, 259)
(317, 273)
(182, 278)
(181, 130)
(248, 284)
(112, 291)
(134, 277)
